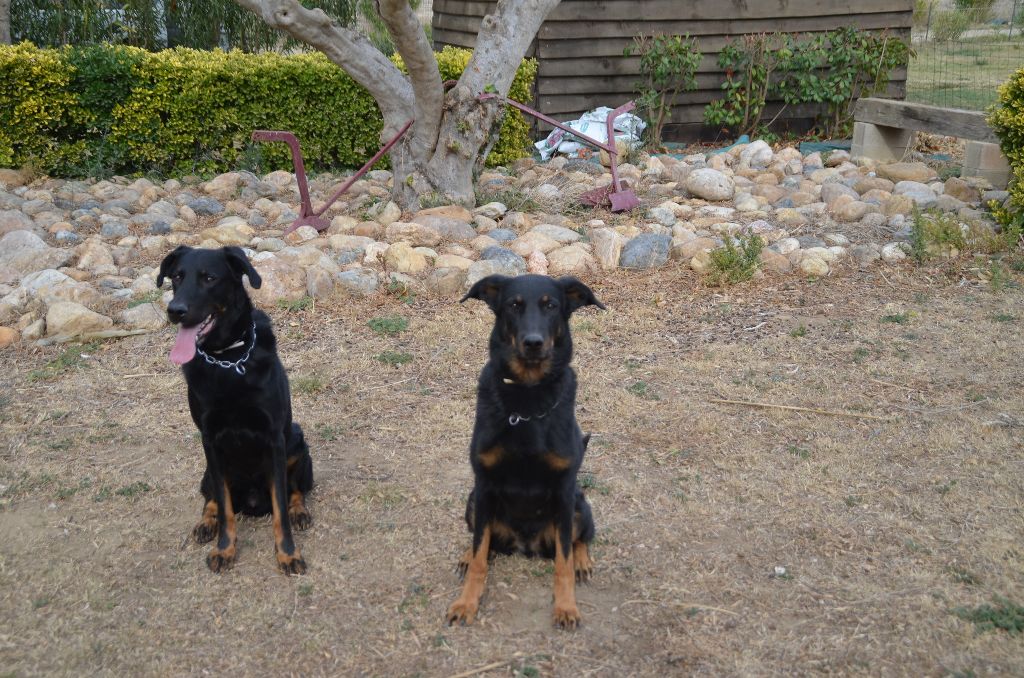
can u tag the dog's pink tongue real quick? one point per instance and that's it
(184, 345)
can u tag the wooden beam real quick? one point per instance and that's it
(952, 122)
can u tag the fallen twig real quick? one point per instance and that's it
(488, 667)
(794, 408)
(886, 383)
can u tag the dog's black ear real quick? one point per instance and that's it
(577, 295)
(487, 289)
(168, 263)
(240, 264)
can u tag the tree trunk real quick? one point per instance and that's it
(439, 153)
(5, 22)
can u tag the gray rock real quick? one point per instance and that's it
(346, 257)
(560, 233)
(865, 255)
(25, 252)
(809, 241)
(921, 194)
(831, 191)
(206, 207)
(360, 282)
(159, 228)
(446, 282)
(998, 196)
(448, 227)
(661, 215)
(503, 234)
(12, 220)
(114, 229)
(143, 317)
(66, 318)
(67, 237)
(508, 261)
(646, 250)
(710, 184)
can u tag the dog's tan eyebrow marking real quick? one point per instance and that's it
(545, 299)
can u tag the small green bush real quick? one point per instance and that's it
(948, 26)
(101, 109)
(735, 263)
(1007, 120)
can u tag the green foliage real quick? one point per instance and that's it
(947, 26)
(668, 64)
(934, 233)
(735, 263)
(301, 304)
(394, 358)
(1003, 616)
(388, 325)
(832, 70)
(101, 109)
(1007, 120)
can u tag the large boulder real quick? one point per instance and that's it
(710, 184)
(25, 252)
(68, 319)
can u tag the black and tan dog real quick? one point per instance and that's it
(527, 448)
(257, 461)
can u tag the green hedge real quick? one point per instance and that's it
(1007, 119)
(88, 111)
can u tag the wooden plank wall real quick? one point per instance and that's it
(580, 46)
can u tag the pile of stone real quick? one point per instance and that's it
(79, 258)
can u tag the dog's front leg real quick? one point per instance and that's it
(566, 614)
(289, 560)
(466, 605)
(223, 556)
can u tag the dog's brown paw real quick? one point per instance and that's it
(462, 611)
(220, 560)
(204, 531)
(567, 617)
(463, 565)
(293, 564)
(300, 519)
(582, 563)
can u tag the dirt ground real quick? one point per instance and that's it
(884, 522)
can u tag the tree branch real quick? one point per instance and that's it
(504, 38)
(348, 49)
(411, 43)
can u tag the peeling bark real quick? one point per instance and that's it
(440, 152)
(5, 22)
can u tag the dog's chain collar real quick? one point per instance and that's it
(515, 417)
(238, 365)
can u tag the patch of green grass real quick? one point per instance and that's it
(393, 358)
(735, 263)
(799, 452)
(134, 490)
(544, 570)
(588, 481)
(898, 318)
(329, 432)
(915, 547)
(946, 487)
(305, 589)
(860, 353)
(147, 298)
(388, 325)
(1003, 616)
(104, 493)
(302, 304)
(529, 671)
(642, 389)
(401, 290)
(799, 331)
(68, 492)
(515, 199)
(72, 357)
(1003, 318)
(417, 597)
(40, 602)
(308, 384)
(851, 500)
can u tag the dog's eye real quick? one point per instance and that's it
(515, 304)
(178, 277)
(550, 304)
(207, 278)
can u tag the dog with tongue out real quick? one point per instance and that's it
(257, 460)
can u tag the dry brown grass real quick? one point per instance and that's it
(882, 526)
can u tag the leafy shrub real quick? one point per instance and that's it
(668, 64)
(1007, 120)
(735, 263)
(833, 70)
(948, 26)
(100, 109)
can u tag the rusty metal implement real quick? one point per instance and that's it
(617, 194)
(308, 216)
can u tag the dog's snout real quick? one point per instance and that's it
(533, 342)
(176, 311)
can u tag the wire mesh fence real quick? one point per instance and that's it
(964, 49)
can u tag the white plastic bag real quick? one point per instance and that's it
(628, 129)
